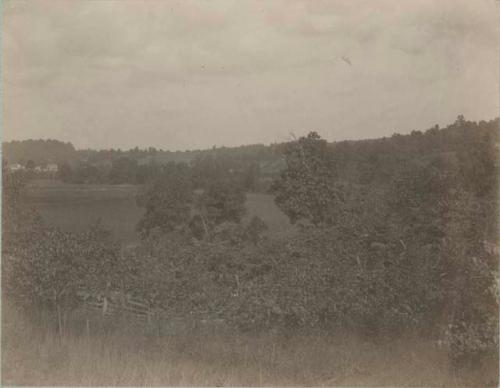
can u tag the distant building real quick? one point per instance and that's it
(16, 167)
(51, 167)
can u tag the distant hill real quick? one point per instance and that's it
(39, 151)
(268, 157)
(361, 161)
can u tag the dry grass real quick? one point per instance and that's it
(38, 357)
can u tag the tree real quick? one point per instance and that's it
(86, 173)
(17, 217)
(307, 189)
(44, 272)
(443, 222)
(98, 260)
(65, 172)
(477, 162)
(146, 172)
(44, 267)
(30, 165)
(223, 201)
(209, 168)
(123, 170)
(251, 177)
(167, 200)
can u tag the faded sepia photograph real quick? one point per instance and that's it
(250, 193)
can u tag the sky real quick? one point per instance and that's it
(195, 74)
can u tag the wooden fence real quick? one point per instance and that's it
(133, 311)
(121, 306)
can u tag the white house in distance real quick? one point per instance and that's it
(16, 167)
(51, 167)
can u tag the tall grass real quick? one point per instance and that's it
(38, 356)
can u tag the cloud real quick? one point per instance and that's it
(187, 74)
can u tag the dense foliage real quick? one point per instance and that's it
(395, 235)
(167, 200)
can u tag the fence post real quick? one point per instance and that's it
(104, 306)
(149, 315)
(59, 321)
(237, 285)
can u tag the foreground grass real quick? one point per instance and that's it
(31, 356)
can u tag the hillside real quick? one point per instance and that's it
(40, 151)
(360, 161)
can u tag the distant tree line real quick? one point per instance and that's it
(38, 152)
(251, 166)
(201, 171)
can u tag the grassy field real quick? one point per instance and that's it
(37, 356)
(74, 207)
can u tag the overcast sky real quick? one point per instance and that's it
(193, 74)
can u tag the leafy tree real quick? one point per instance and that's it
(98, 260)
(251, 177)
(123, 170)
(209, 168)
(30, 165)
(87, 173)
(17, 216)
(146, 276)
(443, 223)
(167, 200)
(44, 272)
(306, 189)
(223, 201)
(477, 163)
(45, 267)
(147, 172)
(65, 172)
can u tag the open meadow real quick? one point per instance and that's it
(74, 207)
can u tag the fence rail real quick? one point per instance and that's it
(119, 305)
(132, 310)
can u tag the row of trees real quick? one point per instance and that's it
(39, 152)
(54, 151)
(202, 170)
(250, 166)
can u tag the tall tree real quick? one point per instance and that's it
(123, 170)
(167, 200)
(65, 172)
(223, 201)
(306, 189)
